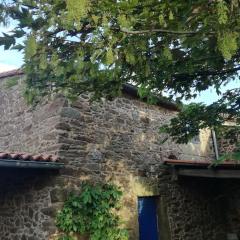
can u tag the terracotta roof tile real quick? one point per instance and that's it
(28, 157)
(3, 155)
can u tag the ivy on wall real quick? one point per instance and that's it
(93, 214)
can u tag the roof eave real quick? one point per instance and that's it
(126, 88)
(202, 169)
(30, 164)
(11, 73)
(133, 91)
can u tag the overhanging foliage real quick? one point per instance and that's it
(179, 47)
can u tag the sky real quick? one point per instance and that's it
(12, 59)
(9, 59)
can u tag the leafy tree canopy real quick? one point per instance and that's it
(179, 47)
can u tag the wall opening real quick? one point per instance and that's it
(147, 218)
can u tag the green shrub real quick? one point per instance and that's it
(92, 213)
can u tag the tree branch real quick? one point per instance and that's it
(159, 31)
(208, 73)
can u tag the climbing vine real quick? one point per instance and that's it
(92, 213)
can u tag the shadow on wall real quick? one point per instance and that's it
(197, 211)
(231, 193)
(24, 198)
(163, 220)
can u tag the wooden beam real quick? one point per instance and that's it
(208, 173)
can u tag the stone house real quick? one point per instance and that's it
(114, 141)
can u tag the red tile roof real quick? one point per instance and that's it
(28, 157)
(15, 72)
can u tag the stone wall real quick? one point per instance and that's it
(119, 141)
(112, 141)
(229, 140)
(24, 199)
(125, 131)
(27, 128)
(194, 209)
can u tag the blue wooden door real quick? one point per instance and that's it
(147, 218)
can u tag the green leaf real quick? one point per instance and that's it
(31, 47)
(167, 53)
(162, 20)
(110, 56)
(43, 61)
(123, 21)
(222, 12)
(18, 47)
(171, 16)
(227, 44)
(96, 218)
